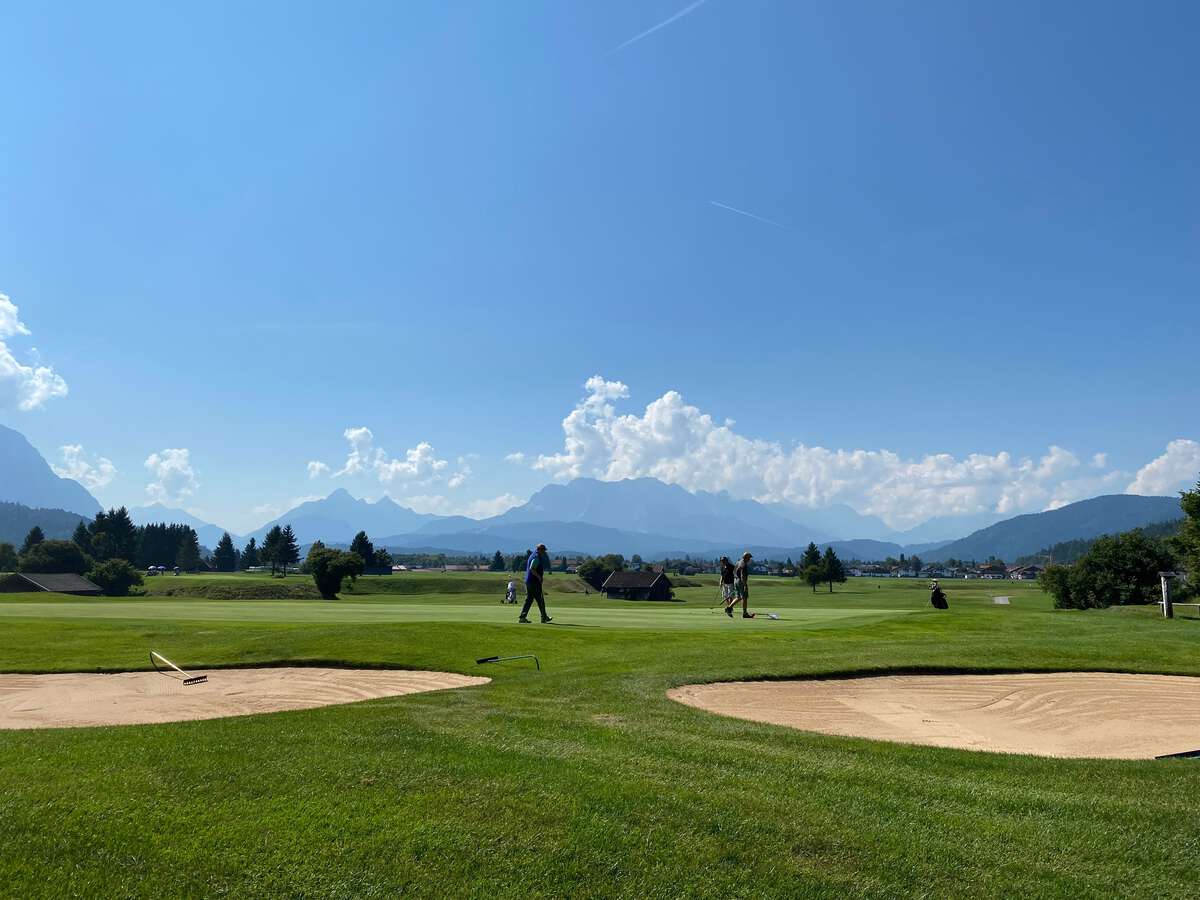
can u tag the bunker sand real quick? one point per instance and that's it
(142, 698)
(1069, 714)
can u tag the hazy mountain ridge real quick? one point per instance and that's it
(16, 520)
(340, 516)
(1026, 534)
(26, 478)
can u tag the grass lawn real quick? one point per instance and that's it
(583, 778)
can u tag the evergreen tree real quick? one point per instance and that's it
(364, 548)
(814, 576)
(832, 569)
(188, 557)
(289, 549)
(114, 536)
(915, 563)
(249, 554)
(83, 538)
(35, 536)
(225, 556)
(497, 562)
(811, 557)
(383, 559)
(8, 557)
(270, 547)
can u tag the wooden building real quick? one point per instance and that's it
(32, 582)
(638, 586)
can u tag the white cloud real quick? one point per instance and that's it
(419, 464)
(75, 465)
(462, 475)
(316, 469)
(517, 457)
(174, 477)
(267, 510)
(1177, 469)
(10, 321)
(23, 387)
(475, 509)
(677, 443)
(1100, 461)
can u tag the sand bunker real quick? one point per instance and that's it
(140, 698)
(1078, 714)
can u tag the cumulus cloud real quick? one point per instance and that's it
(316, 469)
(91, 474)
(517, 457)
(1177, 469)
(174, 477)
(461, 475)
(23, 386)
(419, 464)
(678, 443)
(442, 505)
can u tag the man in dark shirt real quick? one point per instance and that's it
(727, 585)
(535, 570)
(741, 585)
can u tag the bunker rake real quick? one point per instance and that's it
(188, 678)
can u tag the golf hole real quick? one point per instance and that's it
(1067, 714)
(140, 698)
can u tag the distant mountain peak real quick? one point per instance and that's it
(26, 478)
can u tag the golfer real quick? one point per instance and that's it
(535, 570)
(727, 585)
(937, 597)
(741, 585)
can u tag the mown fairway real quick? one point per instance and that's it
(581, 779)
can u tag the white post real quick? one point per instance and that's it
(1168, 612)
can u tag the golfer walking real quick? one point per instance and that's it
(727, 585)
(741, 586)
(535, 570)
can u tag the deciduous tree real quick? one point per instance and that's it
(54, 557)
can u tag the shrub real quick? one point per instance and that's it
(115, 577)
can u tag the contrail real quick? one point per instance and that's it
(663, 24)
(742, 212)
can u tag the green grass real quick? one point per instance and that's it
(581, 779)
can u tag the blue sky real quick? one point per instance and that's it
(242, 230)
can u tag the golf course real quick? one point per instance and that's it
(583, 777)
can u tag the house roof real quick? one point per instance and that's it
(59, 583)
(621, 580)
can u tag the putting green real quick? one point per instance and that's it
(672, 617)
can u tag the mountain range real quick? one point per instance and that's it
(1030, 533)
(642, 515)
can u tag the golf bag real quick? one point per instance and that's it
(938, 599)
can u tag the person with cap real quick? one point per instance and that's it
(727, 585)
(536, 568)
(741, 586)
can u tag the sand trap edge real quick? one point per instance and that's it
(82, 700)
(1092, 715)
